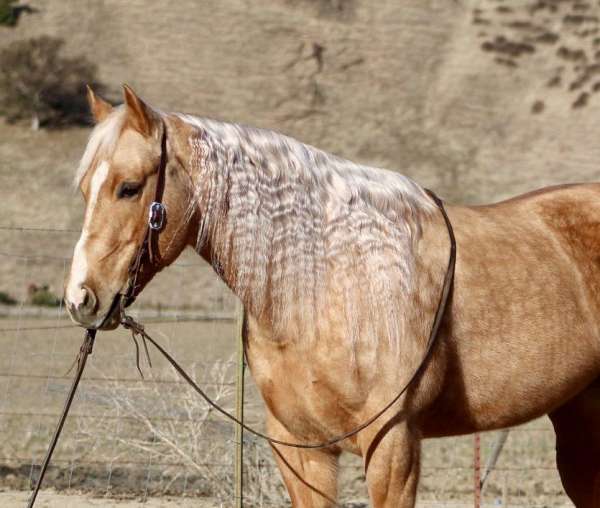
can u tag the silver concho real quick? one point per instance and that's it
(156, 216)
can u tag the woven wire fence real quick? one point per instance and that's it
(133, 437)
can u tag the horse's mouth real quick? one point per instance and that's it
(112, 318)
(109, 321)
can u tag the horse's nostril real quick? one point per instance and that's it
(89, 301)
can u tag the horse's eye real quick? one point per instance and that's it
(128, 190)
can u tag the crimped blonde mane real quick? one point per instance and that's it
(307, 240)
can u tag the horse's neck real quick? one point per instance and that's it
(297, 247)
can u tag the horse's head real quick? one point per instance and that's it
(118, 177)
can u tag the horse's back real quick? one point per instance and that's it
(562, 222)
(576, 191)
(523, 333)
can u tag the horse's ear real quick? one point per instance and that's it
(140, 116)
(98, 106)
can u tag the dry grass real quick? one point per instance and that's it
(179, 432)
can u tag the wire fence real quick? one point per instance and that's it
(129, 436)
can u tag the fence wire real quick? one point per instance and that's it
(152, 437)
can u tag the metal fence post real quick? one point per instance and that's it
(477, 469)
(239, 409)
(494, 455)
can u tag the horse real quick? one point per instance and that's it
(340, 267)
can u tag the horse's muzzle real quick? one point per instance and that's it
(84, 313)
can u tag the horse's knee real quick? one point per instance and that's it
(392, 461)
(310, 476)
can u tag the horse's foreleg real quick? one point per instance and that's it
(309, 475)
(391, 456)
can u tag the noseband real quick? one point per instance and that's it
(148, 251)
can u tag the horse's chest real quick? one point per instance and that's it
(305, 396)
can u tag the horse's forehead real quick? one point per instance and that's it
(131, 153)
(132, 150)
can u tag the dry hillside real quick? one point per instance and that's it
(479, 100)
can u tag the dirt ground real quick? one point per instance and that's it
(51, 499)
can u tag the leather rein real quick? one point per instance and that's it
(148, 253)
(137, 330)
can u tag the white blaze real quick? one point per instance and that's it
(79, 266)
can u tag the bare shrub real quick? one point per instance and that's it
(163, 423)
(11, 11)
(8, 15)
(38, 83)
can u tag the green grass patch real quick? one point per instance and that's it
(44, 298)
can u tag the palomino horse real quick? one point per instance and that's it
(340, 268)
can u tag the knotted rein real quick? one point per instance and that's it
(148, 252)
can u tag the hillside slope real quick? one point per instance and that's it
(475, 99)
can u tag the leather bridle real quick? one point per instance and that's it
(148, 252)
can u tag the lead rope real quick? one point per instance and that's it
(84, 351)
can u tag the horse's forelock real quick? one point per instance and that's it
(102, 140)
